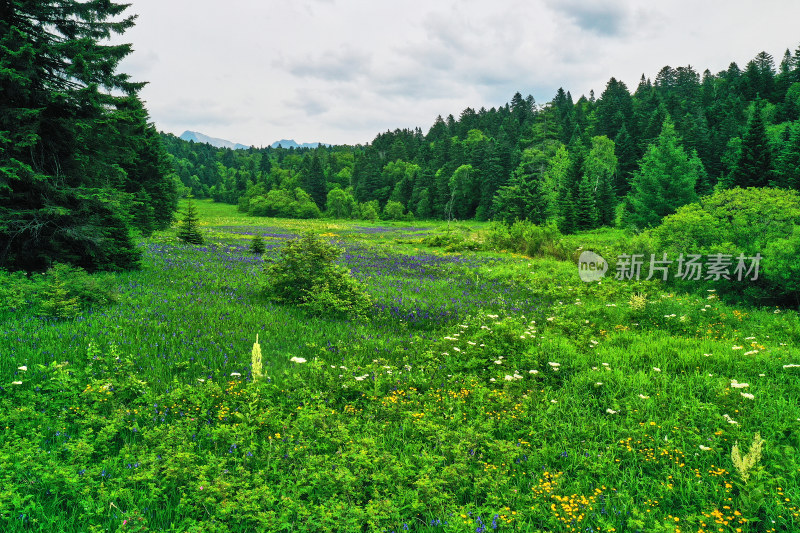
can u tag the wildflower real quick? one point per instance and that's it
(297, 360)
(707, 355)
(704, 448)
(509, 378)
(201, 380)
(643, 397)
(554, 365)
(611, 411)
(492, 380)
(751, 352)
(551, 319)
(255, 360)
(729, 419)
(599, 384)
(456, 348)
(736, 348)
(747, 395)
(16, 383)
(793, 365)
(736, 385)
(533, 371)
(517, 376)
(745, 463)
(235, 374)
(553, 401)
(362, 378)
(23, 368)
(657, 369)
(499, 362)
(492, 316)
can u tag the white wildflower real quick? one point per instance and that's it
(793, 365)
(749, 338)
(492, 380)
(297, 360)
(707, 355)
(736, 385)
(704, 448)
(643, 397)
(553, 401)
(747, 395)
(657, 369)
(235, 374)
(598, 384)
(751, 352)
(533, 371)
(737, 348)
(456, 348)
(611, 411)
(554, 365)
(509, 378)
(16, 383)
(23, 368)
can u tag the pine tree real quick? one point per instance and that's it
(665, 181)
(189, 226)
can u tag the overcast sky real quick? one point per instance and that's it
(341, 71)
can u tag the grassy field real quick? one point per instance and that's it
(486, 392)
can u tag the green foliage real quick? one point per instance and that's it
(80, 164)
(306, 274)
(189, 226)
(664, 182)
(257, 245)
(60, 292)
(525, 238)
(393, 210)
(741, 221)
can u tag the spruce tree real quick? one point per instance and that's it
(68, 134)
(754, 166)
(189, 226)
(664, 182)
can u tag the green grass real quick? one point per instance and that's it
(485, 390)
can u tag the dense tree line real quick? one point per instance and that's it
(81, 167)
(625, 158)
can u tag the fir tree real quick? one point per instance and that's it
(189, 226)
(754, 166)
(74, 138)
(257, 244)
(665, 181)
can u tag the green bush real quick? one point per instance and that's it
(524, 237)
(739, 221)
(60, 292)
(306, 274)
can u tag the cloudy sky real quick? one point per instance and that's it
(340, 71)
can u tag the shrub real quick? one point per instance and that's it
(740, 221)
(524, 237)
(306, 274)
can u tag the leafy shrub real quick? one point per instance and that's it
(524, 237)
(60, 292)
(451, 241)
(739, 221)
(306, 274)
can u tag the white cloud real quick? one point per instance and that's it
(342, 71)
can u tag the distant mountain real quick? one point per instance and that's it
(213, 141)
(289, 143)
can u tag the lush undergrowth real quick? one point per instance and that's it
(485, 392)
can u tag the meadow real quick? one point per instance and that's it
(487, 391)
